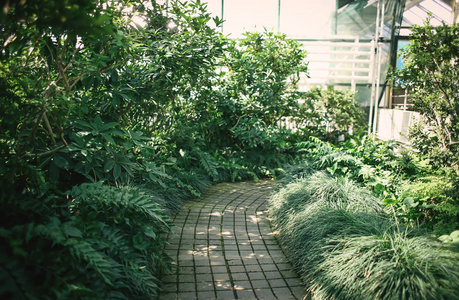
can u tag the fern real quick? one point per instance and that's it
(209, 164)
(154, 174)
(132, 240)
(104, 265)
(122, 199)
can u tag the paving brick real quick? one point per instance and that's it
(223, 295)
(186, 263)
(293, 282)
(236, 269)
(217, 262)
(223, 285)
(256, 275)
(246, 294)
(275, 283)
(205, 286)
(204, 277)
(232, 213)
(186, 270)
(265, 294)
(283, 293)
(186, 295)
(219, 269)
(206, 295)
(186, 278)
(265, 260)
(221, 277)
(284, 266)
(253, 268)
(187, 287)
(239, 276)
(260, 284)
(269, 267)
(231, 246)
(235, 262)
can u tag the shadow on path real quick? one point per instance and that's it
(223, 248)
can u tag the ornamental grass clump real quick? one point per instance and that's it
(345, 246)
(394, 265)
(320, 190)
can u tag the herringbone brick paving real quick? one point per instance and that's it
(223, 248)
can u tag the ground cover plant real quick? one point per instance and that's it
(345, 246)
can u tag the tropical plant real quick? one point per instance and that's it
(95, 242)
(432, 200)
(258, 87)
(430, 72)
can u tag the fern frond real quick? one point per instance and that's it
(121, 198)
(138, 276)
(210, 165)
(106, 267)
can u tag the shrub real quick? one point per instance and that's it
(345, 246)
(430, 70)
(432, 200)
(329, 113)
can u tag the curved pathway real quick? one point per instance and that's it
(223, 248)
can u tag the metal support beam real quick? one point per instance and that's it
(373, 85)
(375, 120)
(223, 13)
(455, 12)
(278, 15)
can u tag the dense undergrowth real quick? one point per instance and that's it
(362, 221)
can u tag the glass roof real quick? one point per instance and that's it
(416, 11)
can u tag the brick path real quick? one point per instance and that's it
(224, 249)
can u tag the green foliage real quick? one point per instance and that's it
(101, 242)
(345, 246)
(394, 265)
(263, 70)
(258, 87)
(451, 238)
(432, 200)
(431, 72)
(403, 180)
(329, 113)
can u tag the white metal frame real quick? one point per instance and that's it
(341, 59)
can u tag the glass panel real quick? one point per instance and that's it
(357, 18)
(214, 7)
(249, 15)
(307, 19)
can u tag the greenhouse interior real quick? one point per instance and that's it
(229, 149)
